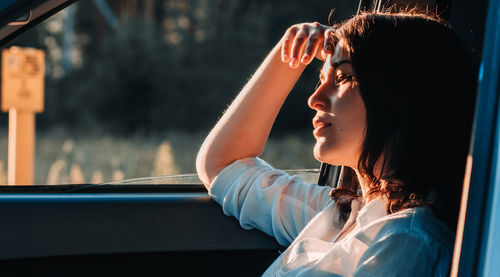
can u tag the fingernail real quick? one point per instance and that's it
(305, 58)
(286, 58)
(293, 62)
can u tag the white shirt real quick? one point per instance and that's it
(303, 217)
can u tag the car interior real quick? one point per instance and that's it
(176, 229)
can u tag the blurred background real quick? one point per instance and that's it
(132, 87)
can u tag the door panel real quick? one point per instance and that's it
(176, 229)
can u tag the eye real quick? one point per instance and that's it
(343, 78)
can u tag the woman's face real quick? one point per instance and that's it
(339, 124)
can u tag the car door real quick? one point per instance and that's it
(152, 229)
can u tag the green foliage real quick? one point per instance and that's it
(125, 87)
(138, 82)
(176, 71)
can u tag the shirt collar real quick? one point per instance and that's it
(371, 211)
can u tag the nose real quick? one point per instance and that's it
(319, 100)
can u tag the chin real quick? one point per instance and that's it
(322, 155)
(328, 155)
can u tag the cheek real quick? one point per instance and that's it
(350, 113)
(343, 143)
(354, 122)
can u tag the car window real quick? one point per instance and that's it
(133, 87)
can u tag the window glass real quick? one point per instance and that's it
(133, 87)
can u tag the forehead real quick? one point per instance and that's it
(341, 54)
(341, 51)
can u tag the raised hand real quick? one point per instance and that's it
(302, 42)
(245, 126)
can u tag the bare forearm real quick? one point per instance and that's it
(244, 128)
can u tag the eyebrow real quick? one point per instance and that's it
(334, 65)
(337, 64)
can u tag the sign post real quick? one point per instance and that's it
(22, 96)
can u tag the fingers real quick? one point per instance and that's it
(313, 43)
(328, 46)
(298, 47)
(303, 42)
(287, 42)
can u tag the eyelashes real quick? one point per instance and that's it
(343, 77)
(339, 79)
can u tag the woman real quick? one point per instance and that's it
(394, 107)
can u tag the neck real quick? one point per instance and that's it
(365, 188)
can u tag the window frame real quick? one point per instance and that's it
(479, 228)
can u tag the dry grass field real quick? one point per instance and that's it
(63, 158)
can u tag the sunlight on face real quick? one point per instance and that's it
(340, 120)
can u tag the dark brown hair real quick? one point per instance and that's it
(418, 85)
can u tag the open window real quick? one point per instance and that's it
(170, 223)
(162, 223)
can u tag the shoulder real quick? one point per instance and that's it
(421, 224)
(418, 234)
(412, 242)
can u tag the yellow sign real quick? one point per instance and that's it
(23, 79)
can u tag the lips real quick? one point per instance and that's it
(320, 125)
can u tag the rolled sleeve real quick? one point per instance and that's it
(268, 199)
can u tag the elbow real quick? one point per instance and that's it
(206, 163)
(202, 169)
(208, 166)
